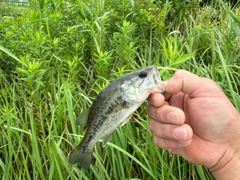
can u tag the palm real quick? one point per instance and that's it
(208, 142)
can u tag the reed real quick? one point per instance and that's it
(55, 56)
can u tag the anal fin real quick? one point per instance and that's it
(106, 138)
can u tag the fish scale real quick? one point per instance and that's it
(113, 107)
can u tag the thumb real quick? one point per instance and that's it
(188, 83)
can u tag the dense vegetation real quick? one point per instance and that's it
(55, 56)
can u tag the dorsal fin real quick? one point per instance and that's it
(83, 117)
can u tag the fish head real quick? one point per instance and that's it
(137, 86)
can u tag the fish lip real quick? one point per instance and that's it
(158, 81)
(156, 76)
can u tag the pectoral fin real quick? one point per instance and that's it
(83, 117)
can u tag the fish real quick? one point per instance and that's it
(113, 107)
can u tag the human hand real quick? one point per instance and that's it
(196, 120)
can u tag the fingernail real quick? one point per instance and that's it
(172, 117)
(180, 133)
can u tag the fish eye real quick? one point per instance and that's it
(142, 74)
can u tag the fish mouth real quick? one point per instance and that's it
(156, 76)
(158, 81)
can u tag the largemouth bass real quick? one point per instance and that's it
(114, 106)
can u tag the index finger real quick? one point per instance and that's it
(156, 99)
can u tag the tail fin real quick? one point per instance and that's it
(82, 158)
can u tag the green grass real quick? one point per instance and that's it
(56, 56)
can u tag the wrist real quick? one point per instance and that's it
(227, 168)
